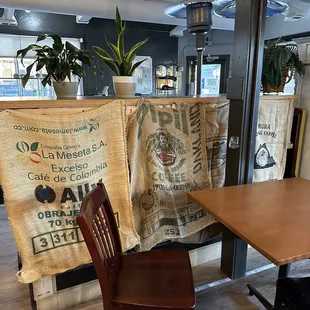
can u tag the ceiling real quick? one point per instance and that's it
(134, 10)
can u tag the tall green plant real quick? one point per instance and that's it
(120, 63)
(277, 58)
(60, 61)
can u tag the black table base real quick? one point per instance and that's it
(283, 273)
(233, 264)
(234, 255)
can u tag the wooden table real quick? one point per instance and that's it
(273, 217)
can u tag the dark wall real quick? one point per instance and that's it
(161, 47)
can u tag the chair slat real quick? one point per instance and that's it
(106, 231)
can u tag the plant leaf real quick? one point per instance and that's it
(34, 146)
(115, 51)
(71, 48)
(27, 75)
(118, 21)
(56, 38)
(41, 37)
(25, 51)
(131, 53)
(47, 80)
(135, 66)
(103, 54)
(111, 63)
(40, 65)
(85, 58)
(120, 43)
(113, 67)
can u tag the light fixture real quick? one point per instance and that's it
(199, 22)
(293, 14)
(228, 9)
(27, 11)
(199, 17)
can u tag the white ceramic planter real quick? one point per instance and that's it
(124, 86)
(66, 89)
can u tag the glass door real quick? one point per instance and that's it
(215, 72)
(211, 78)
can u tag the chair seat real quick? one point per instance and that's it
(158, 278)
(297, 291)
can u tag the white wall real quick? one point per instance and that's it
(305, 103)
(220, 43)
(304, 50)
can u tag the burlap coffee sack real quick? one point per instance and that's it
(273, 135)
(168, 158)
(217, 116)
(216, 126)
(47, 165)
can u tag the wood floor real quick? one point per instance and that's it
(232, 295)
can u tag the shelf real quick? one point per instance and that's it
(168, 77)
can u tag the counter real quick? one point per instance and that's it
(84, 102)
(91, 102)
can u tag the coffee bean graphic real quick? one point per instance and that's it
(35, 157)
(22, 147)
(45, 194)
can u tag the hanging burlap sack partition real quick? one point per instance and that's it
(216, 126)
(168, 158)
(273, 135)
(217, 116)
(47, 165)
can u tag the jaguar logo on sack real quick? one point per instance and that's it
(273, 135)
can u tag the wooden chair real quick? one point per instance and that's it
(158, 279)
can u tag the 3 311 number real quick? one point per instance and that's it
(59, 238)
(54, 239)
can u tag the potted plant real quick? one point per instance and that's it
(120, 62)
(62, 61)
(280, 62)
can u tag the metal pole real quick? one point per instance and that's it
(199, 68)
(244, 89)
(200, 47)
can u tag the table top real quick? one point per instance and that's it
(273, 217)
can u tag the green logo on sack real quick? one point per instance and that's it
(94, 124)
(28, 153)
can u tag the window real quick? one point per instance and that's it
(11, 69)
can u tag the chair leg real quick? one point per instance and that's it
(260, 297)
(282, 302)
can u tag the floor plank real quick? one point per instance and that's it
(231, 295)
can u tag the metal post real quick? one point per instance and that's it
(234, 255)
(284, 271)
(200, 47)
(244, 89)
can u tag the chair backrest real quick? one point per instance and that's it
(100, 232)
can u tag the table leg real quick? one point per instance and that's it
(234, 255)
(284, 271)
